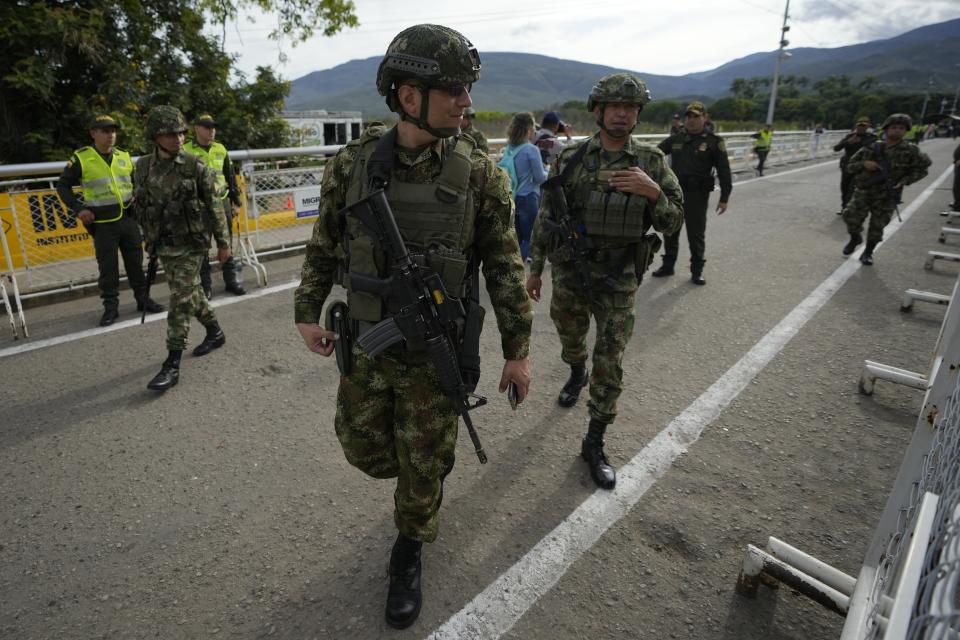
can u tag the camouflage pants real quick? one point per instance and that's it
(614, 315)
(393, 422)
(880, 208)
(182, 266)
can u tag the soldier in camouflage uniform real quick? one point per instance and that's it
(616, 189)
(469, 115)
(179, 210)
(453, 208)
(881, 171)
(859, 138)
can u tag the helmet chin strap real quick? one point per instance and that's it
(422, 121)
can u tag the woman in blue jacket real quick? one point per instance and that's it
(521, 159)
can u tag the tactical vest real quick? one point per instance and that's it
(436, 220)
(105, 185)
(611, 218)
(177, 217)
(215, 157)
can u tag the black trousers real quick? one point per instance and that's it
(956, 188)
(695, 220)
(230, 267)
(846, 187)
(108, 238)
(762, 157)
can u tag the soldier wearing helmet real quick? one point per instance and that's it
(880, 172)
(615, 190)
(453, 208)
(859, 138)
(104, 174)
(469, 115)
(178, 205)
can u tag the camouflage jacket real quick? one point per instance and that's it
(495, 241)
(907, 165)
(666, 215)
(481, 139)
(177, 203)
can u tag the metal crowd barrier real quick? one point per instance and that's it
(907, 585)
(47, 251)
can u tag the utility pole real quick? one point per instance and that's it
(781, 56)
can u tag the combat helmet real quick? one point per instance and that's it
(164, 119)
(618, 87)
(898, 118)
(432, 56)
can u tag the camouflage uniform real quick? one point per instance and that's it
(874, 197)
(613, 308)
(392, 419)
(469, 115)
(179, 210)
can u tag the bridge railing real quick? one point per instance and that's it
(49, 252)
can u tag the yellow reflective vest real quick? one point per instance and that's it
(104, 185)
(764, 139)
(215, 157)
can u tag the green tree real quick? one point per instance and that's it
(61, 62)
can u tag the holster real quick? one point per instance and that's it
(470, 348)
(646, 251)
(338, 320)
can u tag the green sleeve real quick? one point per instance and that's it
(209, 201)
(855, 165)
(667, 213)
(918, 169)
(321, 259)
(499, 254)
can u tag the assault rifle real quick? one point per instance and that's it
(151, 276)
(427, 314)
(567, 231)
(883, 175)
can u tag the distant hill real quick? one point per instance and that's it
(515, 81)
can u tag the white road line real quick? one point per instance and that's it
(497, 608)
(133, 322)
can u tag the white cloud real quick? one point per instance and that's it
(669, 38)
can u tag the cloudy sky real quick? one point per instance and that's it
(670, 37)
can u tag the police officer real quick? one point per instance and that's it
(453, 208)
(764, 140)
(104, 174)
(205, 146)
(695, 154)
(615, 190)
(178, 205)
(851, 143)
(469, 115)
(880, 172)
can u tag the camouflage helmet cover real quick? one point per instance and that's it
(618, 87)
(429, 53)
(164, 119)
(898, 118)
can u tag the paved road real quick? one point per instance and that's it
(224, 508)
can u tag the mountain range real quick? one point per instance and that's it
(922, 59)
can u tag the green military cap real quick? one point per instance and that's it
(696, 108)
(205, 120)
(103, 121)
(863, 120)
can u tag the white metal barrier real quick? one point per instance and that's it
(50, 252)
(907, 585)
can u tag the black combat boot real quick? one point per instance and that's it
(592, 451)
(867, 256)
(696, 272)
(403, 596)
(214, 340)
(149, 304)
(571, 390)
(110, 315)
(855, 239)
(666, 269)
(230, 280)
(169, 374)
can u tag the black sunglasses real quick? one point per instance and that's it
(453, 90)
